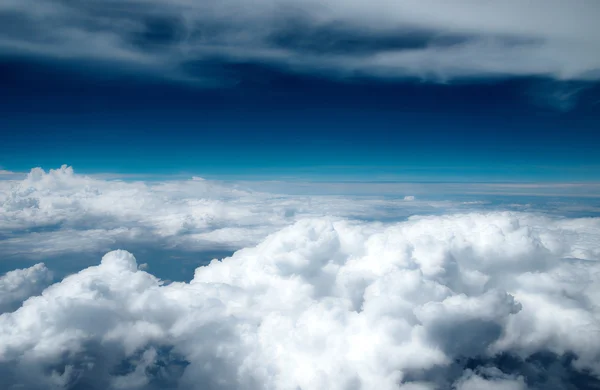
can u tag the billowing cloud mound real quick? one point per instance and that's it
(465, 301)
(18, 285)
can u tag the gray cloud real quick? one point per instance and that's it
(435, 40)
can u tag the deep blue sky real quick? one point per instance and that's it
(273, 124)
(473, 91)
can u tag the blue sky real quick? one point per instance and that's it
(245, 115)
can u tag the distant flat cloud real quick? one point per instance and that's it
(435, 40)
(10, 175)
(391, 187)
(59, 211)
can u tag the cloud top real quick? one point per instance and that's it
(432, 302)
(59, 211)
(18, 285)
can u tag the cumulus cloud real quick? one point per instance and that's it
(434, 40)
(18, 285)
(493, 300)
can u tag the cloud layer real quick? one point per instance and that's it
(58, 212)
(496, 300)
(436, 40)
(322, 291)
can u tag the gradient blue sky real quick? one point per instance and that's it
(254, 118)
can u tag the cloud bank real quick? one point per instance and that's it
(59, 212)
(466, 301)
(322, 291)
(204, 41)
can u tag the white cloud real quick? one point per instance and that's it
(49, 214)
(330, 303)
(18, 285)
(59, 211)
(433, 40)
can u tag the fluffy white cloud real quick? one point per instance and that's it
(431, 302)
(18, 285)
(59, 211)
(433, 40)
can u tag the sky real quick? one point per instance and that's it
(494, 91)
(299, 195)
